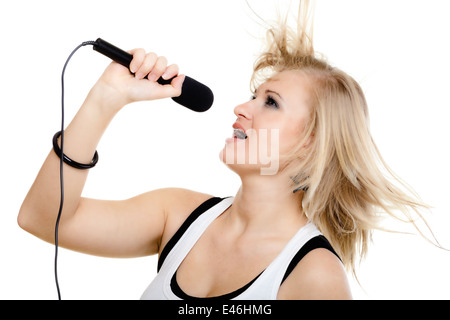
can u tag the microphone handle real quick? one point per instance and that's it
(120, 56)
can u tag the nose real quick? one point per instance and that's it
(244, 110)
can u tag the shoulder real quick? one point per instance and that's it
(178, 205)
(320, 275)
(173, 201)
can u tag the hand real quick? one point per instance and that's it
(118, 87)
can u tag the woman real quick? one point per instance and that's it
(286, 234)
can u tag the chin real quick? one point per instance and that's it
(243, 164)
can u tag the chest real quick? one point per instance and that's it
(218, 265)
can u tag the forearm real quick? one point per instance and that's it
(40, 207)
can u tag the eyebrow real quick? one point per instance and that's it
(274, 92)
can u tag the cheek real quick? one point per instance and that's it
(288, 140)
(292, 136)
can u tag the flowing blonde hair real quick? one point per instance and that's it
(347, 183)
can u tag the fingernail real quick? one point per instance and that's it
(165, 76)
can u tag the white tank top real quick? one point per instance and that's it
(264, 287)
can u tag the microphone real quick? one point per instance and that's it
(194, 95)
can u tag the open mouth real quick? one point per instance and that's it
(240, 134)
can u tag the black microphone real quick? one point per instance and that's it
(194, 95)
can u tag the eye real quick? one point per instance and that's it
(270, 102)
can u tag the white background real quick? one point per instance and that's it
(398, 50)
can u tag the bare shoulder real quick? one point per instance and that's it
(320, 275)
(179, 204)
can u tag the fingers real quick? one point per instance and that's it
(171, 71)
(138, 59)
(158, 69)
(147, 65)
(151, 66)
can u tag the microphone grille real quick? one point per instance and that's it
(195, 95)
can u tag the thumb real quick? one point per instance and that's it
(177, 84)
(171, 90)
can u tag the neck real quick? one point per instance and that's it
(267, 202)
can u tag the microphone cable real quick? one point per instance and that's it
(61, 174)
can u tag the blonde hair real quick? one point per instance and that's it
(348, 183)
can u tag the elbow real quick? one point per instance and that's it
(31, 221)
(26, 220)
(23, 220)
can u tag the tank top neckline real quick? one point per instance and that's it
(176, 289)
(311, 244)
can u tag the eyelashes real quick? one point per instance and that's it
(270, 102)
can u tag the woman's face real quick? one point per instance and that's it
(273, 120)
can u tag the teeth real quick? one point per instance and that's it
(240, 134)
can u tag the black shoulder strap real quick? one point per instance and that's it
(186, 224)
(314, 243)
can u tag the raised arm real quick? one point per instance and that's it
(126, 228)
